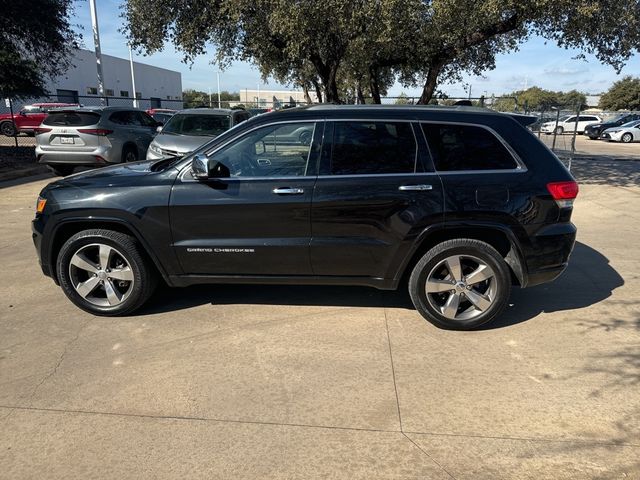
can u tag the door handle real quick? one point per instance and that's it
(288, 191)
(414, 188)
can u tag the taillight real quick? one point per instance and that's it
(40, 130)
(564, 193)
(101, 132)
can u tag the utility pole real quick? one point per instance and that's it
(133, 78)
(96, 42)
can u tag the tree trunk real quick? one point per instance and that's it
(307, 97)
(430, 84)
(318, 90)
(374, 85)
(360, 94)
(331, 86)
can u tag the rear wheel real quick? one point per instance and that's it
(103, 272)
(129, 154)
(627, 138)
(8, 129)
(460, 284)
(62, 170)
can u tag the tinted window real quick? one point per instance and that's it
(71, 119)
(146, 120)
(587, 119)
(125, 117)
(372, 148)
(466, 147)
(570, 119)
(197, 124)
(276, 150)
(31, 109)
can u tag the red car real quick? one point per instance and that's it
(28, 118)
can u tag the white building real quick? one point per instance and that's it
(159, 87)
(273, 98)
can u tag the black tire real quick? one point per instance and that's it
(626, 138)
(305, 137)
(62, 170)
(468, 249)
(129, 154)
(133, 294)
(559, 130)
(8, 129)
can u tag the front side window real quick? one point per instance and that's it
(372, 148)
(273, 151)
(466, 147)
(31, 109)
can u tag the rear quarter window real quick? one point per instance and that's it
(71, 119)
(466, 147)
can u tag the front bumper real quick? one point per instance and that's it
(37, 229)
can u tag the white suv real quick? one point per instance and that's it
(567, 123)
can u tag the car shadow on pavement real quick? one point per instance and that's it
(588, 279)
(604, 171)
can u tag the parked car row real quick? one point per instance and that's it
(569, 124)
(71, 136)
(624, 128)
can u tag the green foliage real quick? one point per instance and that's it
(36, 41)
(402, 99)
(539, 99)
(194, 98)
(367, 44)
(623, 95)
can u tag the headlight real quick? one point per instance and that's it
(42, 202)
(155, 149)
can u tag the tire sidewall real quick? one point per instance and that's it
(5, 126)
(428, 262)
(62, 268)
(628, 137)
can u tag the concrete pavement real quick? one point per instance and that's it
(327, 382)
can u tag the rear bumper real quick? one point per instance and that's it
(547, 254)
(99, 156)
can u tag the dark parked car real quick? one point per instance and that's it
(595, 131)
(461, 202)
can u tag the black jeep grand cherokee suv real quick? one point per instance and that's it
(462, 202)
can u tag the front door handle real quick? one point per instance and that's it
(288, 191)
(414, 188)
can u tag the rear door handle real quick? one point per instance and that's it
(414, 188)
(288, 191)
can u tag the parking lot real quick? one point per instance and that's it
(310, 382)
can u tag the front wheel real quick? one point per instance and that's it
(129, 154)
(460, 284)
(8, 129)
(626, 138)
(103, 272)
(559, 130)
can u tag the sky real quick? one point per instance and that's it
(537, 63)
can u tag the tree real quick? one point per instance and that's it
(421, 42)
(572, 99)
(36, 41)
(623, 95)
(402, 99)
(194, 98)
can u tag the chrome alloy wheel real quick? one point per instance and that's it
(461, 287)
(101, 275)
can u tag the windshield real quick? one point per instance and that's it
(631, 124)
(197, 124)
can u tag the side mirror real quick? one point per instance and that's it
(159, 128)
(200, 167)
(22, 113)
(261, 148)
(203, 169)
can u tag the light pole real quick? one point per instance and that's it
(218, 77)
(133, 78)
(96, 42)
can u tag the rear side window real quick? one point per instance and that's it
(466, 147)
(71, 119)
(366, 148)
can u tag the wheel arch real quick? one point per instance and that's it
(67, 229)
(498, 236)
(126, 145)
